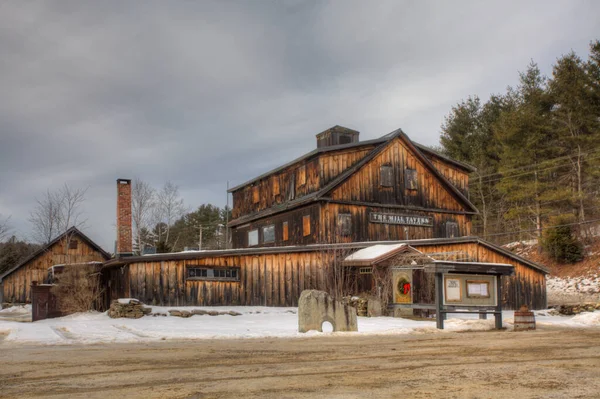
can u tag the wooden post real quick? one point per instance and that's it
(499, 302)
(439, 292)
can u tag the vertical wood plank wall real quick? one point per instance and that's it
(278, 279)
(265, 280)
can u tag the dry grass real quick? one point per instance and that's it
(78, 289)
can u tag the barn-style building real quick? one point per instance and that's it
(71, 247)
(294, 227)
(348, 191)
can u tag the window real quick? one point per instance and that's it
(344, 224)
(209, 273)
(366, 270)
(73, 244)
(197, 272)
(252, 238)
(269, 233)
(452, 230)
(285, 231)
(345, 139)
(387, 176)
(292, 187)
(255, 195)
(306, 225)
(410, 179)
(302, 175)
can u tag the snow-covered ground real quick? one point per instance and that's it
(255, 322)
(570, 290)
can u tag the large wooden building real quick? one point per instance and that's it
(347, 191)
(71, 247)
(294, 226)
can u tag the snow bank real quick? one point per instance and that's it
(19, 309)
(570, 290)
(255, 322)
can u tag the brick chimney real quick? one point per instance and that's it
(124, 231)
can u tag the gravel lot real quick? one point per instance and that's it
(551, 362)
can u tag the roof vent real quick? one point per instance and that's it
(337, 135)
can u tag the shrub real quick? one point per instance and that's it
(77, 289)
(561, 243)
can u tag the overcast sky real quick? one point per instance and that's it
(203, 92)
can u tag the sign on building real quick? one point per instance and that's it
(393, 218)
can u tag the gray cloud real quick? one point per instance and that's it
(205, 92)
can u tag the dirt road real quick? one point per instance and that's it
(550, 363)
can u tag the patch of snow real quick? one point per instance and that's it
(18, 309)
(127, 301)
(255, 322)
(570, 290)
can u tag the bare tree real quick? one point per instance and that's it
(45, 218)
(56, 212)
(5, 227)
(143, 201)
(169, 208)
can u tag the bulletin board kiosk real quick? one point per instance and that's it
(468, 287)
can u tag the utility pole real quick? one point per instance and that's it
(200, 238)
(227, 218)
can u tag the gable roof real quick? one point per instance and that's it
(341, 147)
(317, 195)
(71, 231)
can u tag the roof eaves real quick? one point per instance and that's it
(304, 157)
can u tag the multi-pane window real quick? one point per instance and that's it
(209, 273)
(387, 176)
(269, 233)
(344, 223)
(252, 238)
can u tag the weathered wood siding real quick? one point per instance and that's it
(295, 181)
(364, 230)
(265, 280)
(294, 221)
(526, 287)
(366, 186)
(456, 175)
(335, 162)
(17, 285)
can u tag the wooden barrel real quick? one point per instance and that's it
(524, 320)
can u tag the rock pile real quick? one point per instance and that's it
(200, 312)
(360, 303)
(130, 309)
(570, 310)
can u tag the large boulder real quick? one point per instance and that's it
(317, 307)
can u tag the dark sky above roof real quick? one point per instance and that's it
(206, 92)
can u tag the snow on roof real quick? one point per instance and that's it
(373, 252)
